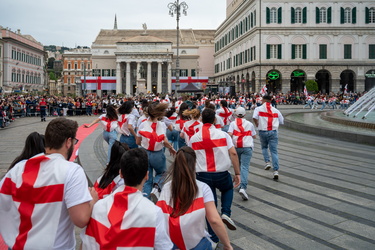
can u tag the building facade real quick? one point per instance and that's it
(23, 66)
(144, 61)
(283, 44)
(76, 64)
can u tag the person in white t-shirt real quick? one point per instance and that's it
(43, 198)
(189, 201)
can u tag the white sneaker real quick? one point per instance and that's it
(243, 194)
(268, 166)
(155, 194)
(228, 221)
(275, 175)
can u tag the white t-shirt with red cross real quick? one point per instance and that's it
(126, 220)
(190, 128)
(60, 185)
(191, 225)
(107, 124)
(225, 114)
(211, 147)
(268, 117)
(123, 122)
(153, 134)
(243, 132)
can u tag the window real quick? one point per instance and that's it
(273, 15)
(68, 65)
(273, 51)
(323, 15)
(193, 72)
(370, 15)
(113, 72)
(322, 51)
(371, 51)
(184, 72)
(298, 15)
(347, 15)
(106, 72)
(75, 66)
(299, 51)
(347, 51)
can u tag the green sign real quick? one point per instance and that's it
(298, 73)
(273, 75)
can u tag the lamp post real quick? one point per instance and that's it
(175, 8)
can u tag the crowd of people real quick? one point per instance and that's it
(18, 105)
(138, 201)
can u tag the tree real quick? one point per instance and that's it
(52, 76)
(312, 86)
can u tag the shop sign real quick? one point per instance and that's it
(298, 73)
(273, 75)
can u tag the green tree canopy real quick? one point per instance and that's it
(312, 86)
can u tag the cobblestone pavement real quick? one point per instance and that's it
(324, 199)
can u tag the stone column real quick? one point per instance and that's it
(159, 87)
(127, 89)
(285, 85)
(169, 77)
(335, 85)
(118, 78)
(149, 74)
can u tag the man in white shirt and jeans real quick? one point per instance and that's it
(267, 120)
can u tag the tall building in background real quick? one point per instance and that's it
(143, 61)
(23, 62)
(283, 44)
(76, 64)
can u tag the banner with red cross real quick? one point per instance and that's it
(99, 83)
(185, 80)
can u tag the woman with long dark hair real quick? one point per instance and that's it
(111, 179)
(109, 123)
(34, 145)
(188, 201)
(151, 136)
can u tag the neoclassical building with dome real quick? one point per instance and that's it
(283, 44)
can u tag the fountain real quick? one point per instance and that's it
(365, 102)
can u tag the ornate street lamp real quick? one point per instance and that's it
(175, 8)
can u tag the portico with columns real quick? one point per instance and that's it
(143, 65)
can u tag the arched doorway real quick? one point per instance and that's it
(323, 78)
(369, 80)
(297, 81)
(347, 78)
(273, 79)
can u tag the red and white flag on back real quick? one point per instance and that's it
(99, 83)
(305, 91)
(263, 91)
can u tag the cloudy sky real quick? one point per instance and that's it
(78, 22)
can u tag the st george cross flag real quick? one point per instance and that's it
(305, 91)
(263, 91)
(346, 89)
(99, 83)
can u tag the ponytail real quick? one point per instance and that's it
(184, 188)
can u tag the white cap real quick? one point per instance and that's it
(240, 111)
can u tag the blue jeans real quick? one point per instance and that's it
(323, 105)
(157, 162)
(270, 139)
(223, 182)
(181, 141)
(225, 128)
(130, 140)
(244, 156)
(204, 244)
(173, 137)
(309, 103)
(110, 138)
